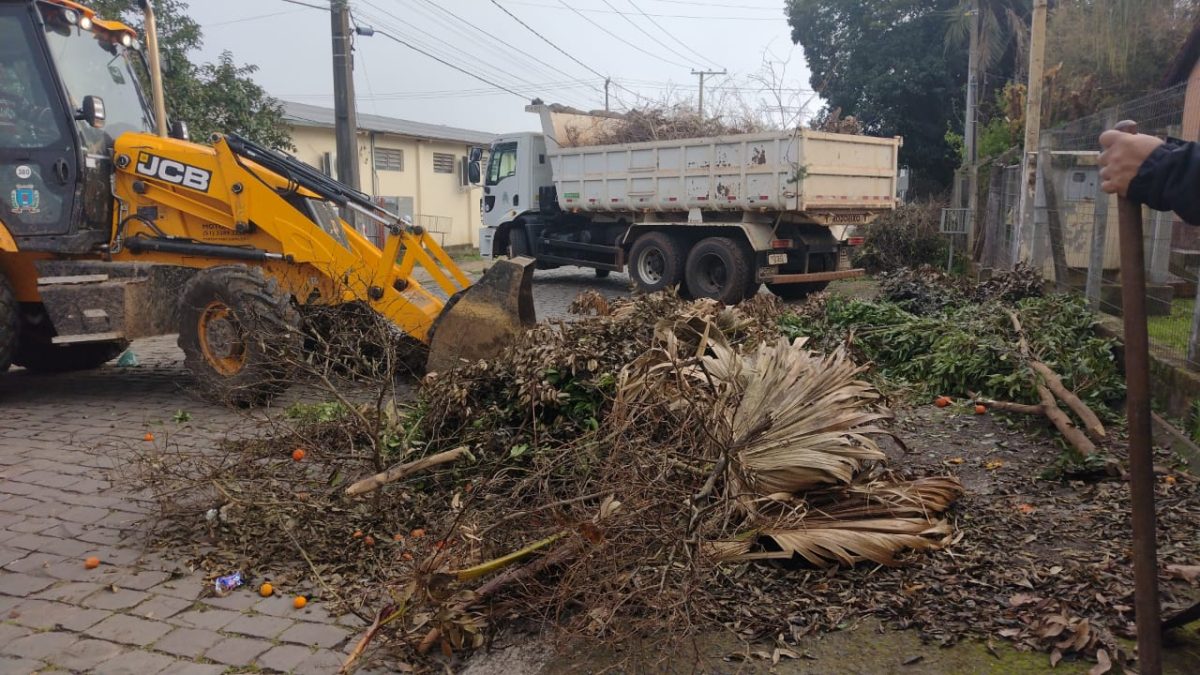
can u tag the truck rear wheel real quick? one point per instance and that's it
(656, 262)
(239, 334)
(9, 324)
(719, 268)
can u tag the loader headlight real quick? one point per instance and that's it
(126, 40)
(71, 16)
(85, 23)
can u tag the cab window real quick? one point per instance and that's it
(27, 116)
(503, 162)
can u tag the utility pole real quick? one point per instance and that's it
(345, 118)
(1033, 126)
(607, 81)
(970, 126)
(702, 73)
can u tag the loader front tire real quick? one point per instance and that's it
(10, 323)
(240, 335)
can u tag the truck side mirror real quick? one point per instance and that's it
(473, 174)
(476, 154)
(92, 111)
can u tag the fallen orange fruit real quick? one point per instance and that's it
(91, 563)
(266, 590)
(298, 454)
(942, 401)
(369, 540)
(299, 602)
(980, 409)
(358, 534)
(397, 537)
(149, 437)
(417, 533)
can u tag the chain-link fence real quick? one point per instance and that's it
(1069, 231)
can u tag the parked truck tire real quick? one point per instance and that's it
(518, 242)
(719, 268)
(10, 323)
(239, 334)
(656, 262)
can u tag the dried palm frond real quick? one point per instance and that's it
(881, 497)
(823, 541)
(794, 420)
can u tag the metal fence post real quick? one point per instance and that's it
(1095, 272)
(1193, 351)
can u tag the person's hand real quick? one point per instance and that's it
(1122, 157)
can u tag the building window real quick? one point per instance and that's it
(389, 159)
(443, 163)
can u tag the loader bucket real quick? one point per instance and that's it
(479, 322)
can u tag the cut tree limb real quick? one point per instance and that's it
(1091, 423)
(557, 557)
(404, 470)
(1049, 404)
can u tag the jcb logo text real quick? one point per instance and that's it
(173, 172)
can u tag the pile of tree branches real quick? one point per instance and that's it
(614, 476)
(668, 122)
(1000, 343)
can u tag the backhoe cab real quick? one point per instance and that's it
(110, 230)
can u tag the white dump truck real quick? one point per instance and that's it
(715, 216)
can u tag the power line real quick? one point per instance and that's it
(480, 64)
(661, 16)
(621, 39)
(723, 5)
(668, 33)
(547, 40)
(488, 35)
(494, 76)
(643, 31)
(448, 64)
(324, 8)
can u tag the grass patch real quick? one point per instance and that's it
(1171, 331)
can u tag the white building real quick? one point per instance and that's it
(413, 168)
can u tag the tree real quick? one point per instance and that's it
(1103, 52)
(884, 63)
(212, 98)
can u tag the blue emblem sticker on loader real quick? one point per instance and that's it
(25, 199)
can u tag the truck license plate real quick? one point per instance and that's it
(776, 258)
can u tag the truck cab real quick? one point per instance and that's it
(517, 171)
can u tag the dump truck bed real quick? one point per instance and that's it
(834, 178)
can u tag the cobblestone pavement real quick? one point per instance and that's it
(63, 440)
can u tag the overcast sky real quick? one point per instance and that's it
(649, 51)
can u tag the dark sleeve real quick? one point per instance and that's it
(1169, 180)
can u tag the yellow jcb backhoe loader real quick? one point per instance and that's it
(112, 229)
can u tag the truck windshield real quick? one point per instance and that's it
(503, 162)
(94, 63)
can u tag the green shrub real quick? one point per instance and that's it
(907, 237)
